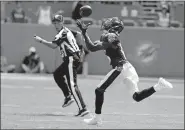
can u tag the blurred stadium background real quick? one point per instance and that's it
(153, 49)
(148, 46)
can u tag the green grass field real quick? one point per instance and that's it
(35, 102)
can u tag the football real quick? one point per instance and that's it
(85, 11)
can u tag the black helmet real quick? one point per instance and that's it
(58, 18)
(112, 24)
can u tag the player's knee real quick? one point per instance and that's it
(137, 97)
(127, 81)
(55, 75)
(131, 84)
(99, 91)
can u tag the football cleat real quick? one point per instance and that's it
(93, 121)
(82, 112)
(162, 84)
(68, 101)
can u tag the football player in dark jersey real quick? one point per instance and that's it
(110, 43)
(66, 74)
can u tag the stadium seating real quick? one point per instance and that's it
(150, 23)
(129, 22)
(146, 12)
(176, 24)
(68, 20)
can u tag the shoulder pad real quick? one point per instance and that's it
(112, 38)
(104, 37)
(64, 33)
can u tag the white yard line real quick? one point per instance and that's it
(51, 88)
(55, 88)
(16, 86)
(112, 113)
(49, 77)
(167, 97)
(10, 105)
(104, 121)
(145, 114)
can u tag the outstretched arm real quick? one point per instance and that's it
(45, 42)
(92, 46)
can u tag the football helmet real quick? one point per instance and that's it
(113, 24)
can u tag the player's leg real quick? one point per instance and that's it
(61, 82)
(71, 80)
(138, 95)
(104, 84)
(131, 81)
(162, 83)
(84, 110)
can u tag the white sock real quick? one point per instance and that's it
(156, 87)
